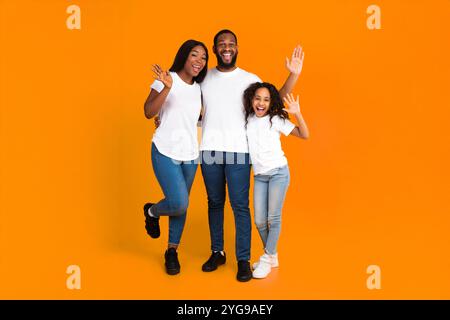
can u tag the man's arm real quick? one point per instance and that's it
(295, 66)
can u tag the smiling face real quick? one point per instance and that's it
(226, 51)
(261, 102)
(196, 61)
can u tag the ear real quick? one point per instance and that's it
(214, 49)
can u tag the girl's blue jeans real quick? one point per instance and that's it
(269, 193)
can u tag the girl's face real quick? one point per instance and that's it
(196, 61)
(261, 102)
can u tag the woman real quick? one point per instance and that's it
(176, 98)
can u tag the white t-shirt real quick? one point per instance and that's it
(223, 123)
(176, 136)
(264, 142)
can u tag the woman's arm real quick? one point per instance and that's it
(155, 99)
(293, 107)
(154, 102)
(295, 67)
(200, 117)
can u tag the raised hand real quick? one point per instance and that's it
(163, 76)
(295, 65)
(292, 106)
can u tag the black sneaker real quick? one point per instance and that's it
(151, 223)
(172, 264)
(244, 272)
(214, 261)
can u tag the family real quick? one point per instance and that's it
(242, 118)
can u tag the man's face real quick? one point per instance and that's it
(226, 50)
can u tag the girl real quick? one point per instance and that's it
(265, 120)
(176, 97)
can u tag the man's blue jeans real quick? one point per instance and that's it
(175, 179)
(232, 169)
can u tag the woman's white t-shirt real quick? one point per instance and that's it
(264, 142)
(176, 136)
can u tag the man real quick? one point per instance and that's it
(224, 149)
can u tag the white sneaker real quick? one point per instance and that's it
(273, 261)
(264, 267)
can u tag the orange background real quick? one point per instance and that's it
(370, 187)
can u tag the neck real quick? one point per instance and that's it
(223, 69)
(185, 77)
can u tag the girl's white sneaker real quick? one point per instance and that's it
(264, 267)
(273, 260)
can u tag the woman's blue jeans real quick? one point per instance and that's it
(175, 178)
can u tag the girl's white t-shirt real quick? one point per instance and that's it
(176, 136)
(264, 142)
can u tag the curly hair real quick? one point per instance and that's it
(276, 107)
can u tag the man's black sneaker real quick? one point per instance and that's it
(214, 261)
(244, 272)
(151, 223)
(172, 264)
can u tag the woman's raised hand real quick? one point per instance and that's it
(163, 76)
(292, 106)
(295, 65)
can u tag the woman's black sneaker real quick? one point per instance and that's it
(172, 264)
(151, 223)
(214, 261)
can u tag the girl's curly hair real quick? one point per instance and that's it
(276, 107)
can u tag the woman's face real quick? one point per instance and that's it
(196, 61)
(261, 102)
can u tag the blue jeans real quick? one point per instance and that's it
(235, 174)
(269, 194)
(175, 179)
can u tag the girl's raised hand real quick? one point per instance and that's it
(295, 65)
(163, 76)
(292, 106)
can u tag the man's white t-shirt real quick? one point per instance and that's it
(223, 123)
(176, 136)
(264, 142)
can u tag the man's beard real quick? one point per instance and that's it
(224, 65)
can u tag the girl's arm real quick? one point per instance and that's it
(295, 67)
(293, 107)
(156, 99)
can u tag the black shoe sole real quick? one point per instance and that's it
(153, 236)
(210, 270)
(244, 279)
(172, 272)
